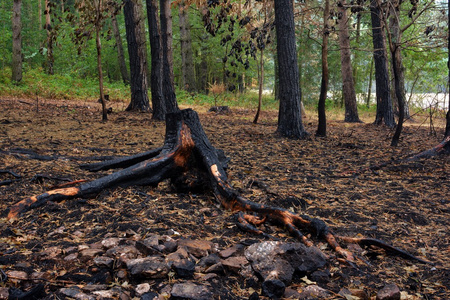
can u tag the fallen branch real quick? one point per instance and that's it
(187, 148)
(440, 149)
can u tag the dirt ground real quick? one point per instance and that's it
(404, 204)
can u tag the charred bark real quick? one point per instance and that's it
(187, 148)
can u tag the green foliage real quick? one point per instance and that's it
(60, 86)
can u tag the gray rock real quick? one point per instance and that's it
(389, 292)
(110, 242)
(231, 251)
(148, 267)
(314, 292)
(4, 293)
(190, 291)
(149, 246)
(103, 261)
(235, 263)
(321, 277)
(184, 268)
(76, 293)
(273, 289)
(198, 248)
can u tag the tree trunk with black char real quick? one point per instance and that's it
(187, 148)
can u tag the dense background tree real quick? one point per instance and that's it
(289, 115)
(168, 88)
(17, 41)
(159, 107)
(138, 63)
(322, 123)
(383, 95)
(348, 83)
(187, 59)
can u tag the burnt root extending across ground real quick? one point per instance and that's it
(187, 148)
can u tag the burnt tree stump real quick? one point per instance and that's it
(187, 148)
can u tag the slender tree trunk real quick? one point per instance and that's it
(395, 52)
(261, 85)
(48, 27)
(159, 106)
(138, 69)
(447, 127)
(17, 41)
(166, 41)
(383, 96)
(289, 114)
(348, 86)
(322, 126)
(120, 53)
(99, 59)
(394, 24)
(187, 59)
(369, 90)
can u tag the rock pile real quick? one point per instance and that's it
(160, 267)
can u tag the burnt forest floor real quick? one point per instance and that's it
(405, 204)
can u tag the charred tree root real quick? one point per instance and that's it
(186, 148)
(440, 149)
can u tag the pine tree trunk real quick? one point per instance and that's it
(17, 41)
(322, 125)
(348, 86)
(99, 60)
(48, 28)
(159, 106)
(384, 102)
(289, 114)
(187, 59)
(166, 41)
(120, 53)
(138, 67)
(397, 38)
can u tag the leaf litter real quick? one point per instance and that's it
(405, 204)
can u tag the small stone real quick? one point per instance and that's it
(273, 289)
(75, 293)
(291, 293)
(170, 246)
(103, 261)
(71, 257)
(16, 276)
(51, 252)
(149, 267)
(184, 268)
(4, 293)
(389, 292)
(110, 242)
(209, 260)
(314, 292)
(142, 289)
(320, 276)
(90, 253)
(149, 246)
(198, 248)
(235, 263)
(216, 268)
(149, 296)
(208, 276)
(231, 251)
(123, 252)
(190, 291)
(180, 254)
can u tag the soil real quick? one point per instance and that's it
(404, 204)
